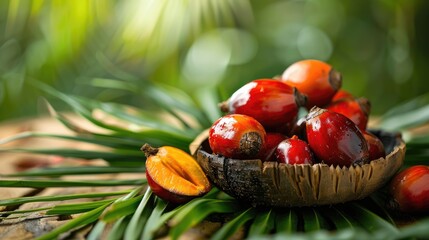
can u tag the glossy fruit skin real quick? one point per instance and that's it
(375, 146)
(341, 94)
(271, 102)
(335, 139)
(237, 136)
(272, 140)
(298, 129)
(410, 189)
(294, 151)
(315, 79)
(356, 109)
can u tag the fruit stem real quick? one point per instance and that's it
(365, 105)
(224, 106)
(335, 79)
(149, 150)
(314, 112)
(300, 99)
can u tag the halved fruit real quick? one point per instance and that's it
(174, 175)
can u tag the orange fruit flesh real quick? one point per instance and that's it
(176, 171)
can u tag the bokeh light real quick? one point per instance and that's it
(379, 46)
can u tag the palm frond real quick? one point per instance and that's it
(236, 223)
(75, 208)
(286, 221)
(64, 183)
(263, 223)
(22, 200)
(83, 220)
(81, 170)
(140, 217)
(135, 214)
(412, 113)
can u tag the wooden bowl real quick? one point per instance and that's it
(284, 185)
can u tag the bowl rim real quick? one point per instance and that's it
(394, 158)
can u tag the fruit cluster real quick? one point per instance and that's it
(262, 120)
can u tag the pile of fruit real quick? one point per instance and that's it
(301, 118)
(262, 120)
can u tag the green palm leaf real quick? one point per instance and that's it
(406, 115)
(263, 223)
(313, 220)
(74, 208)
(118, 228)
(82, 220)
(64, 183)
(286, 220)
(197, 211)
(64, 171)
(141, 215)
(233, 225)
(155, 220)
(22, 200)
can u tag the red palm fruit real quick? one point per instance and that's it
(375, 146)
(410, 189)
(294, 151)
(298, 129)
(335, 139)
(341, 94)
(272, 140)
(271, 102)
(315, 79)
(356, 109)
(237, 136)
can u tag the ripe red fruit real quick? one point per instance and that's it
(335, 139)
(315, 79)
(298, 129)
(356, 109)
(271, 102)
(272, 140)
(410, 189)
(375, 146)
(341, 94)
(294, 151)
(237, 136)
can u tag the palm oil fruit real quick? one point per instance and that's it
(272, 103)
(410, 189)
(356, 109)
(237, 136)
(335, 139)
(272, 140)
(294, 151)
(315, 79)
(298, 129)
(174, 175)
(341, 94)
(375, 146)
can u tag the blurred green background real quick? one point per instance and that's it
(381, 47)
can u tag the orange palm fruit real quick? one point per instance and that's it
(174, 175)
(315, 79)
(341, 94)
